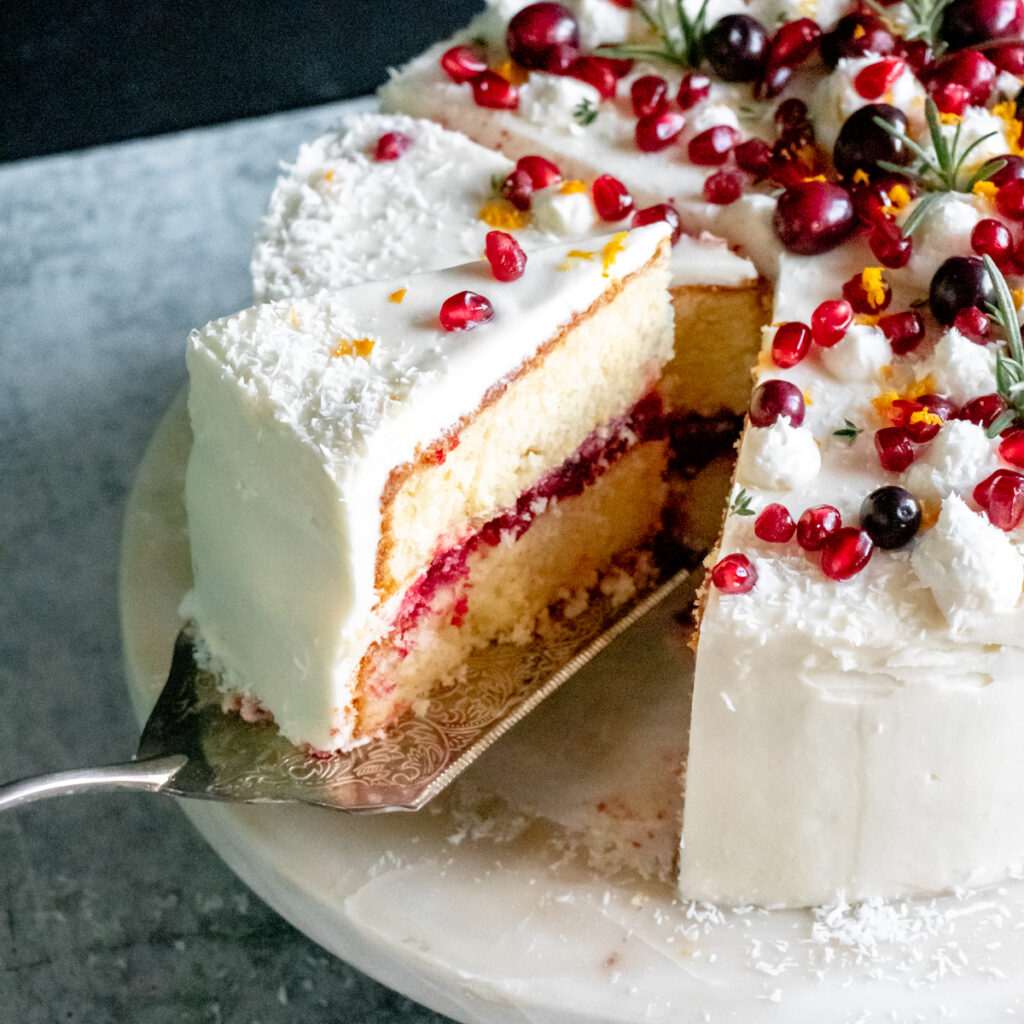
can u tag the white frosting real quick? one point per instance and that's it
(563, 214)
(707, 115)
(969, 565)
(602, 21)
(960, 369)
(944, 231)
(859, 355)
(959, 457)
(553, 100)
(778, 457)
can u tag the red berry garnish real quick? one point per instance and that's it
(542, 172)
(464, 311)
(391, 145)
(846, 552)
(596, 72)
(774, 524)
(713, 146)
(813, 217)
(895, 449)
(866, 300)
(891, 516)
(854, 36)
(972, 22)
(913, 417)
(982, 410)
(506, 256)
(722, 188)
(1006, 501)
(660, 211)
(983, 492)
(463, 63)
(776, 398)
(816, 525)
(736, 47)
(794, 42)
(875, 80)
(1008, 57)
(1011, 447)
(517, 188)
(791, 118)
(1010, 199)
(755, 156)
(611, 198)
(992, 237)
(960, 281)
(941, 406)
(543, 37)
(649, 95)
(692, 89)
(904, 330)
(973, 324)
(656, 131)
(889, 245)
(791, 343)
(492, 91)
(969, 71)
(864, 145)
(734, 574)
(830, 321)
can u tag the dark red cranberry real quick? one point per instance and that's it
(692, 89)
(791, 343)
(713, 146)
(790, 117)
(391, 145)
(1010, 200)
(971, 22)
(774, 399)
(722, 188)
(830, 322)
(889, 245)
(950, 98)
(973, 324)
(611, 198)
(873, 199)
(494, 92)
(895, 448)
(868, 301)
(505, 255)
(940, 405)
(620, 66)
(904, 330)
(918, 54)
(1007, 57)
(596, 72)
(754, 156)
(734, 574)
(982, 410)
(736, 47)
(890, 516)
(968, 70)
(794, 42)
(1011, 447)
(542, 172)
(517, 188)
(540, 34)
(649, 96)
(775, 525)
(862, 142)
(773, 81)
(1013, 168)
(464, 311)
(992, 237)
(813, 217)
(855, 35)
(656, 131)
(660, 211)
(816, 525)
(462, 63)
(960, 282)
(983, 492)
(846, 552)
(914, 418)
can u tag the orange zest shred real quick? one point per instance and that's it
(611, 251)
(361, 347)
(397, 296)
(503, 215)
(329, 176)
(807, 397)
(1007, 113)
(986, 190)
(512, 72)
(571, 187)
(950, 118)
(860, 176)
(868, 319)
(873, 283)
(293, 317)
(1018, 297)
(929, 514)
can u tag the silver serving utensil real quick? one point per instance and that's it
(191, 748)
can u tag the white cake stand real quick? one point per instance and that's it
(490, 929)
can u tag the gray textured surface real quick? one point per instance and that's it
(112, 909)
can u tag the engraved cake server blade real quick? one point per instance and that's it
(191, 748)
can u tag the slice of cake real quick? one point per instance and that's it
(375, 489)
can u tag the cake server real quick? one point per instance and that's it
(191, 748)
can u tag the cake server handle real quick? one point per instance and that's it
(149, 775)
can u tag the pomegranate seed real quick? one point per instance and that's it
(517, 188)
(544, 37)
(465, 310)
(875, 80)
(1010, 199)
(542, 172)
(950, 98)
(942, 407)
(983, 492)
(773, 80)
(794, 42)
(391, 145)
(722, 188)
(611, 198)
(902, 413)
(649, 96)
(775, 398)
(594, 71)
(656, 131)
(1008, 57)
(816, 525)
(895, 449)
(692, 89)
(791, 343)
(712, 147)
(830, 321)
(846, 552)
(463, 63)
(864, 302)
(620, 66)
(1011, 447)
(775, 524)
(992, 237)
(755, 156)
(982, 410)
(660, 211)
(890, 246)
(492, 91)
(734, 574)
(506, 256)
(973, 324)
(905, 330)
(1006, 502)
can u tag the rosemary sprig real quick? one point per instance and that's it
(1010, 363)
(680, 38)
(585, 113)
(924, 23)
(849, 433)
(740, 504)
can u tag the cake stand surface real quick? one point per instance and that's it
(490, 922)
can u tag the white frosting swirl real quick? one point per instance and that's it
(552, 100)
(859, 355)
(961, 369)
(564, 214)
(960, 457)
(778, 457)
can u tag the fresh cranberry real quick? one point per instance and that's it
(983, 492)
(692, 89)
(875, 80)
(813, 217)
(391, 145)
(754, 156)
(1011, 447)
(464, 311)
(722, 188)
(713, 146)
(794, 42)
(660, 211)
(846, 552)
(790, 117)
(611, 198)
(791, 343)
(889, 245)
(863, 143)
(918, 54)
(1008, 57)
(904, 330)
(596, 72)
(463, 63)
(992, 237)
(542, 36)
(542, 172)
(972, 22)
(855, 35)
(973, 324)
(982, 410)
(891, 516)
(1013, 168)
(967, 69)
(619, 66)
(830, 321)
(517, 188)
(959, 282)
(940, 405)
(1010, 199)
(774, 399)
(656, 131)
(505, 255)
(734, 574)
(494, 92)
(950, 98)
(863, 300)
(774, 524)
(649, 96)
(895, 448)
(816, 525)
(736, 47)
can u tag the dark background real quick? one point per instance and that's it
(84, 72)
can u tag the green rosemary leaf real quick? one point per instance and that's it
(1007, 311)
(740, 505)
(496, 182)
(962, 158)
(985, 171)
(919, 213)
(1000, 423)
(939, 143)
